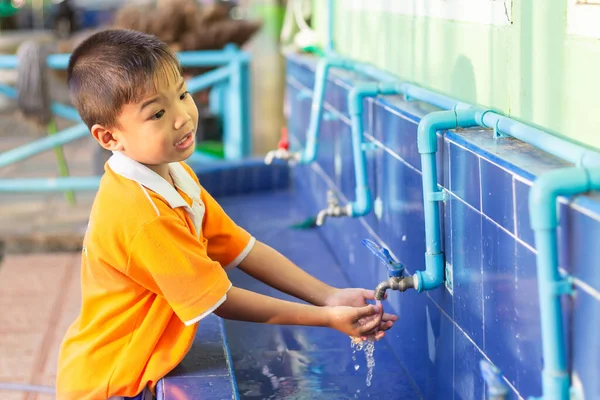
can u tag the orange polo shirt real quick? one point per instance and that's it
(153, 265)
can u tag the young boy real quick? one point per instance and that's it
(158, 245)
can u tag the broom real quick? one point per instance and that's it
(34, 97)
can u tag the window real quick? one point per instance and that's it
(583, 17)
(493, 12)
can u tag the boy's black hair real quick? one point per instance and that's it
(116, 67)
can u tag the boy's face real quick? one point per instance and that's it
(158, 130)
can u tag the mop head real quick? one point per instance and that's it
(32, 84)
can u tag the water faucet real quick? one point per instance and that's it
(396, 280)
(282, 152)
(333, 209)
(395, 283)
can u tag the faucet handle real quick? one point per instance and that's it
(395, 268)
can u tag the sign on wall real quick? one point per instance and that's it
(493, 12)
(583, 17)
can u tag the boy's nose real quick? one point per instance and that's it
(182, 119)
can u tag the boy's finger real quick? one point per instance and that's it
(369, 294)
(390, 317)
(370, 325)
(385, 325)
(368, 311)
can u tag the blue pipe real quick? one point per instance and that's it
(62, 110)
(208, 79)
(312, 137)
(36, 185)
(65, 111)
(211, 58)
(433, 276)
(8, 61)
(388, 81)
(364, 201)
(208, 58)
(330, 19)
(41, 145)
(558, 147)
(8, 91)
(544, 221)
(418, 93)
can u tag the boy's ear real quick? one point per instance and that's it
(106, 138)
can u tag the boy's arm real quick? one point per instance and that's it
(244, 305)
(272, 268)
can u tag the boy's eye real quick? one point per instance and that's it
(159, 114)
(184, 95)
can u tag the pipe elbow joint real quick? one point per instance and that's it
(307, 157)
(546, 189)
(363, 204)
(357, 94)
(433, 276)
(428, 127)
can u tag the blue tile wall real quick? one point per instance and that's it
(464, 169)
(467, 267)
(497, 194)
(524, 231)
(492, 309)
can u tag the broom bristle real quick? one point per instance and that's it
(32, 84)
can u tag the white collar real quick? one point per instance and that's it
(131, 169)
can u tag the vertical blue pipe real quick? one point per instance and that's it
(312, 136)
(316, 112)
(363, 202)
(246, 110)
(330, 19)
(216, 99)
(544, 221)
(233, 141)
(433, 276)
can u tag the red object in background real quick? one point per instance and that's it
(283, 142)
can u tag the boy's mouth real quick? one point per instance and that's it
(186, 141)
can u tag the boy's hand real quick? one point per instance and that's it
(355, 321)
(358, 298)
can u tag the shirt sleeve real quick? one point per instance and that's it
(167, 258)
(228, 243)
